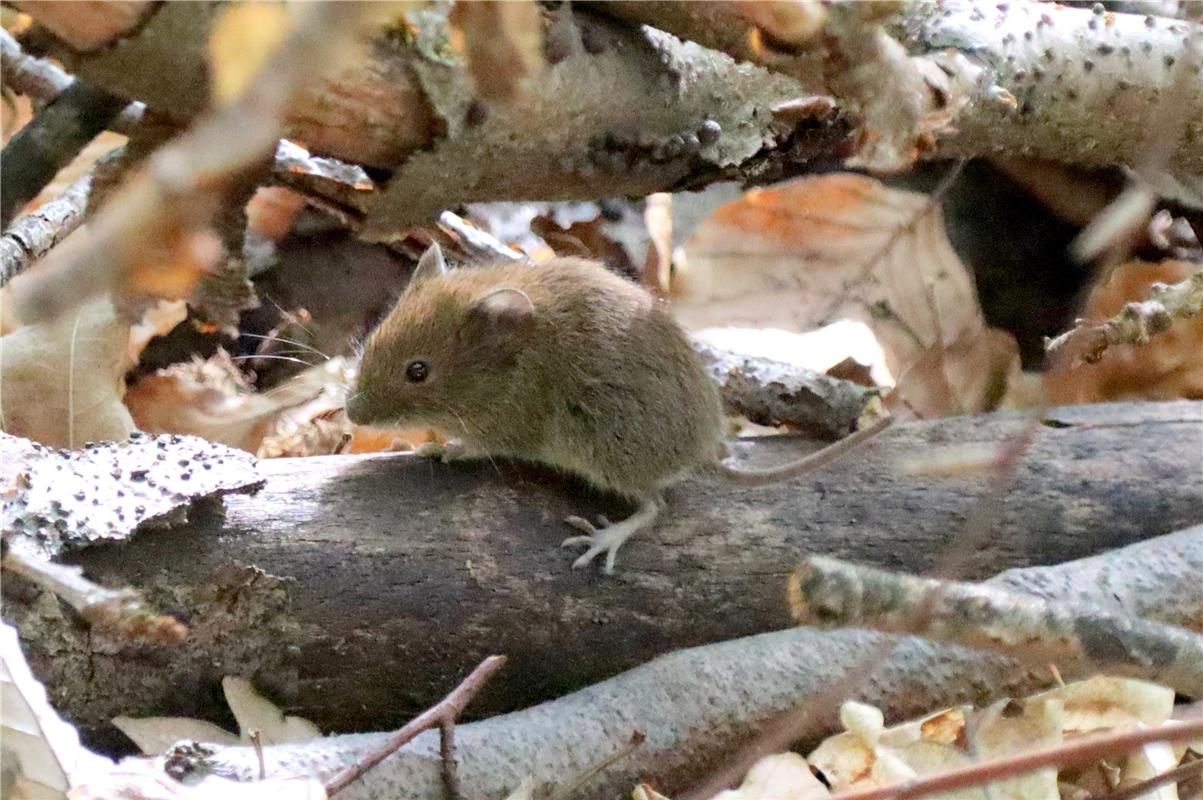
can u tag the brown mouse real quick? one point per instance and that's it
(562, 363)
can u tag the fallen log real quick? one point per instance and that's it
(350, 588)
(709, 712)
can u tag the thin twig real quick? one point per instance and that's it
(1082, 751)
(256, 737)
(637, 739)
(50, 141)
(31, 236)
(122, 610)
(1135, 324)
(43, 80)
(1182, 772)
(442, 713)
(447, 753)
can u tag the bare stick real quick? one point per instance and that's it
(1082, 751)
(181, 187)
(833, 593)
(447, 752)
(442, 715)
(125, 610)
(1135, 324)
(50, 140)
(31, 236)
(1178, 774)
(42, 80)
(256, 737)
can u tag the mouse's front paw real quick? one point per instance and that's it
(452, 450)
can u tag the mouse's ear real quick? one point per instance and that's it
(497, 312)
(430, 265)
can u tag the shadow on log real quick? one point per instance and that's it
(350, 588)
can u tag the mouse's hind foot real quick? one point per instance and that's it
(610, 536)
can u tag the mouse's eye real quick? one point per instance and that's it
(417, 371)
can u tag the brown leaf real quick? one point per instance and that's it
(208, 398)
(813, 251)
(61, 381)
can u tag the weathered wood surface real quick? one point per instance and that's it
(398, 573)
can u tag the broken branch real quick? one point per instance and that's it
(443, 716)
(832, 593)
(1135, 324)
(125, 611)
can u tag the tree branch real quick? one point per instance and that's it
(830, 593)
(442, 716)
(50, 141)
(1135, 324)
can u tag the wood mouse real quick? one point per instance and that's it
(561, 363)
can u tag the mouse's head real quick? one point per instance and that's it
(447, 352)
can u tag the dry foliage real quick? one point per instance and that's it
(813, 251)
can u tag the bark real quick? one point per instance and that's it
(696, 707)
(411, 108)
(351, 587)
(1033, 79)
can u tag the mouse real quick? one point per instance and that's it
(562, 363)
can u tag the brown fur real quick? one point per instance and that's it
(590, 376)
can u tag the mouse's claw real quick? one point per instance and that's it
(607, 537)
(581, 524)
(607, 541)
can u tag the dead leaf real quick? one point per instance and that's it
(209, 398)
(809, 252)
(256, 713)
(503, 43)
(1167, 367)
(1105, 702)
(158, 320)
(271, 211)
(785, 776)
(61, 381)
(41, 750)
(144, 779)
(154, 735)
(1039, 726)
(252, 711)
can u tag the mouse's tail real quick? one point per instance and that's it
(762, 476)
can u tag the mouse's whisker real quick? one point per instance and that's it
(276, 358)
(282, 340)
